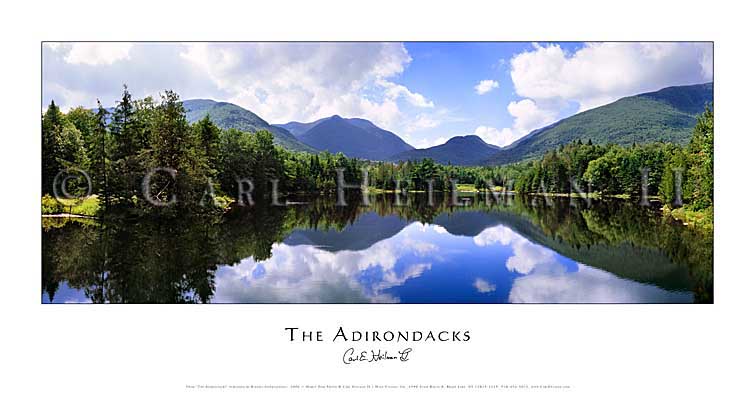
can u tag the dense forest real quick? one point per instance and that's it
(666, 115)
(617, 170)
(199, 162)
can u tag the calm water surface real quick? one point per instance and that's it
(522, 251)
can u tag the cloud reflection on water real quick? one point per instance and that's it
(420, 257)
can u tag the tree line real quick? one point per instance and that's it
(197, 162)
(116, 148)
(675, 173)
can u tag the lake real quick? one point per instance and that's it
(518, 250)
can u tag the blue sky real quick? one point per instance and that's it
(424, 92)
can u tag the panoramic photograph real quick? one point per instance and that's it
(377, 172)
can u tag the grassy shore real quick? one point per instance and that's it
(87, 207)
(697, 219)
(90, 206)
(470, 188)
(461, 188)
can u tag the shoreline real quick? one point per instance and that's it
(698, 219)
(68, 215)
(694, 219)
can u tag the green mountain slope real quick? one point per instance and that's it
(227, 115)
(666, 115)
(298, 128)
(466, 150)
(358, 138)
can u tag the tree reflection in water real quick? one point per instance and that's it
(176, 260)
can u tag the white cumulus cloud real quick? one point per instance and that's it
(280, 82)
(483, 286)
(550, 79)
(394, 91)
(485, 86)
(528, 116)
(97, 53)
(494, 136)
(600, 73)
(307, 81)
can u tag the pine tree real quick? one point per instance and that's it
(98, 150)
(52, 131)
(209, 138)
(267, 162)
(174, 146)
(699, 182)
(123, 126)
(127, 168)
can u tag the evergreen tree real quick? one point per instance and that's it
(123, 127)
(234, 160)
(98, 150)
(141, 135)
(52, 131)
(266, 159)
(62, 148)
(175, 147)
(209, 138)
(699, 182)
(127, 170)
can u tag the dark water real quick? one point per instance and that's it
(521, 251)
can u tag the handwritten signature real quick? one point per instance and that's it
(350, 356)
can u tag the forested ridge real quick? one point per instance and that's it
(118, 148)
(666, 115)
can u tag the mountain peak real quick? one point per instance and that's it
(198, 103)
(665, 115)
(227, 115)
(466, 138)
(470, 139)
(459, 150)
(358, 138)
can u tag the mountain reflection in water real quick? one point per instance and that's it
(523, 251)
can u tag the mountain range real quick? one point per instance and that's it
(665, 115)
(462, 150)
(226, 115)
(358, 138)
